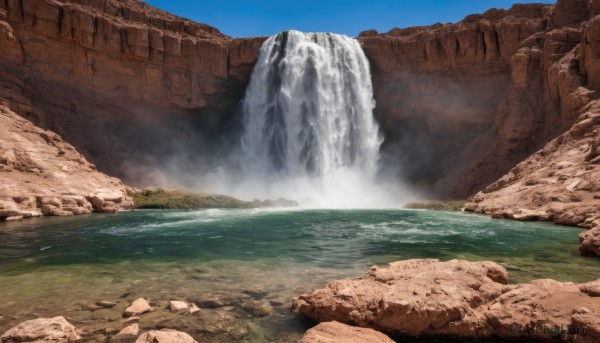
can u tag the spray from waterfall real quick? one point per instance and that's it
(308, 127)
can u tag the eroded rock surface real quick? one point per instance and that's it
(41, 174)
(101, 72)
(461, 104)
(559, 183)
(456, 298)
(335, 332)
(56, 329)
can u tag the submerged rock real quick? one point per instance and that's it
(458, 299)
(138, 307)
(335, 332)
(56, 329)
(262, 309)
(210, 302)
(194, 309)
(106, 304)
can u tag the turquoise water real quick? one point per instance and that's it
(58, 266)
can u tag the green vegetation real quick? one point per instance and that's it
(449, 205)
(163, 199)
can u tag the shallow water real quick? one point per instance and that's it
(59, 266)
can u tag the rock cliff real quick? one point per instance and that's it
(559, 182)
(459, 104)
(100, 72)
(466, 102)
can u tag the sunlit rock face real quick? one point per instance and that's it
(41, 174)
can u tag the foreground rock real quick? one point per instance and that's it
(457, 299)
(56, 329)
(40, 174)
(165, 336)
(334, 332)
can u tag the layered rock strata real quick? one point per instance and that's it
(458, 299)
(100, 72)
(461, 104)
(41, 174)
(560, 182)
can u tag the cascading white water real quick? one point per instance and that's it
(309, 132)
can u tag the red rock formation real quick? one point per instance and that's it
(41, 174)
(458, 299)
(460, 104)
(470, 100)
(560, 181)
(124, 47)
(101, 71)
(334, 332)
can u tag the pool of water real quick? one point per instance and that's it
(246, 258)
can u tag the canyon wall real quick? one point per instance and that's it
(141, 92)
(467, 101)
(561, 181)
(131, 86)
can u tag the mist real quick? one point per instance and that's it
(304, 131)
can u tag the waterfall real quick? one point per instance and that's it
(308, 127)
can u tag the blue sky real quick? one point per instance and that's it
(246, 18)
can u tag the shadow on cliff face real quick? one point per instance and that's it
(186, 150)
(141, 144)
(433, 123)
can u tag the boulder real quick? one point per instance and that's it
(56, 329)
(128, 334)
(178, 307)
(165, 336)
(591, 288)
(138, 307)
(334, 332)
(458, 299)
(413, 297)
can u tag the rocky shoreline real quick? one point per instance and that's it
(458, 299)
(423, 298)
